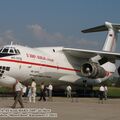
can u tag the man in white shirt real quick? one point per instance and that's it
(69, 89)
(101, 93)
(50, 88)
(33, 91)
(18, 94)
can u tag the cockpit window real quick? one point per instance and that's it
(15, 51)
(18, 52)
(5, 50)
(0, 50)
(10, 50)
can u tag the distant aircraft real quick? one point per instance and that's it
(60, 65)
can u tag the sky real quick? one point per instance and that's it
(42, 23)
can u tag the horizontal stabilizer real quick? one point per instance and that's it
(104, 27)
(96, 29)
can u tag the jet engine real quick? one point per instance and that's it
(119, 70)
(92, 70)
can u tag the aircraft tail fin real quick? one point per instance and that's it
(110, 42)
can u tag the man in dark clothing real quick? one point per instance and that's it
(42, 92)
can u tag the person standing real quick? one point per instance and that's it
(42, 92)
(33, 91)
(68, 89)
(101, 93)
(18, 88)
(24, 91)
(50, 89)
(105, 92)
(29, 94)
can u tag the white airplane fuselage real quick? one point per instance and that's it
(42, 64)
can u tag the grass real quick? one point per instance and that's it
(5, 89)
(112, 91)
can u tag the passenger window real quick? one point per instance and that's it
(7, 68)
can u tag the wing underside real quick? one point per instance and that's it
(87, 54)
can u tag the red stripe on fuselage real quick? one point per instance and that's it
(39, 64)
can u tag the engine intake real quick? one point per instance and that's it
(92, 70)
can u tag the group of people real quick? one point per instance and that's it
(20, 90)
(45, 91)
(103, 90)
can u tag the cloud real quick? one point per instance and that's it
(39, 37)
(6, 37)
(53, 39)
(84, 42)
(41, 33)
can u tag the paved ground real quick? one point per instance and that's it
(67, 109)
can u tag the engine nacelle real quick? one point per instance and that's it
(119, 70)
(92, 70)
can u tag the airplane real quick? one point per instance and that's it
(60, 65)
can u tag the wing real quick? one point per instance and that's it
(87, 54)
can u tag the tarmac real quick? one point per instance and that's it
(61, 108)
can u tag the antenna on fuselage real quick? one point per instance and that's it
(11, 43)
